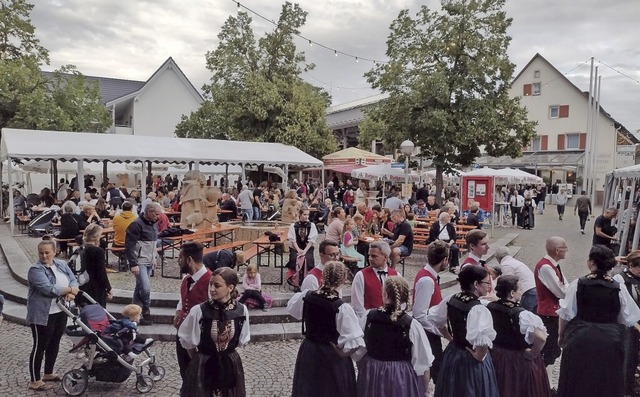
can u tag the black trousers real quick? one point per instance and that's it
(515, 215)
(183, 358)
(551, 351)
(436, 348)
(46, 343)
(631, 347)
(253, 294)
(583, 215)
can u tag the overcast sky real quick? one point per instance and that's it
(131, 39)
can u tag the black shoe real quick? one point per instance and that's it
(146, 321)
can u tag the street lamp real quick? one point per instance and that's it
(406, 148)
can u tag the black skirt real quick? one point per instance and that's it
(197, 383)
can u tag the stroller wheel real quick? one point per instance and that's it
(156, 372)
(75, 382)
(144, 383)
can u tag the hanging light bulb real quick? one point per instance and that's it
(239, 7)
(335, 52)
(310, 43)
(357, 60)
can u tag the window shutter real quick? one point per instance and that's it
(583, 141)
(544, 142)
(564, 111)
(526, 90)
(561, 139)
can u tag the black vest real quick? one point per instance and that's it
(388, 340)
(213, 313)
(633, 285)
(319, 317)
(597, 300)
(302, 231)
(458, 309)
(506, 323)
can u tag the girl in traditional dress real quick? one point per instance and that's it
(349, 242)
(332, 334)
(528, 215)
(467, 367)
(210, 333)
(520, 370)
(630, 279)
(593, 316)
(398, 351)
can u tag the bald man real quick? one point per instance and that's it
(551, 286)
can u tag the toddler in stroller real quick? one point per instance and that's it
(110, 346)
(125, 333)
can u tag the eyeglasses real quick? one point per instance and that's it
(332, 254)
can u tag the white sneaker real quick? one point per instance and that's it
(582, 231)
(132, 355)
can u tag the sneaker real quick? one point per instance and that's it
(132, 355)
(582, 231)
(265, 309)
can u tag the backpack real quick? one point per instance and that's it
(77, 267)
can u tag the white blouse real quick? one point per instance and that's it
(528, 324)
(349, 331)
(629, 311)
(480, 330)
(189, 332)
(421, 355)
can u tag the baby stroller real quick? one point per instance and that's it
(104, 361)
(41, 225)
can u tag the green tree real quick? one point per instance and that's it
(63, 100)
(448, 80)
(256, 92)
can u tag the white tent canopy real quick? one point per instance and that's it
(52, 145)
(453, 176)
(505, 176)
(383, 172)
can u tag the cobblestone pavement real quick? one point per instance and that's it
(268, 365)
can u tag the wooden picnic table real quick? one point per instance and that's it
(271, 249)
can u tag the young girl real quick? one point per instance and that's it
(210, 333)
(252, 286)
(398, 352)
(349, 242)
(332, 335)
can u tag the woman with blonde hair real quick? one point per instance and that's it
(398, 352)
(92, 259)
(332, 335)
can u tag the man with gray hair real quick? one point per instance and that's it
(140, 249)
(366, 288)
(511, 266)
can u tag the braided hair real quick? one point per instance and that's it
(396, 290)
(333, 275)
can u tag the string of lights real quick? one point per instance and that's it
(567, 72)
(617, 71)
(311, 42)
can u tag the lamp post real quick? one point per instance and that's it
(406, 148)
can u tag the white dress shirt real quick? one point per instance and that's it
(310, 281)
(513, 267)
(357, 291)
(424, 289)
(189, 332)
(550, 280)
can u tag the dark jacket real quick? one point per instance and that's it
(435, 231)
(229, 205)
(140, 242)
(70, 225)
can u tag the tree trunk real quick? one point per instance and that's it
(439, 180)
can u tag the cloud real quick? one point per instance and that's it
(131, 39)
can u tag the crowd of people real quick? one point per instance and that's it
(503, 332)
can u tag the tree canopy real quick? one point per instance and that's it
(62, 100)
(256, 92)
(448, 80)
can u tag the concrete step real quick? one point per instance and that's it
(17, 313)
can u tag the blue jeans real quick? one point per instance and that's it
(257, 215)
(142, 291)
(246, 214)
(529, 300)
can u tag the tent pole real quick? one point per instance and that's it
(226, 178)
(2, 209)
(323, 184)
(12, 211)
(493, 209)
(143, 183)
(80, 179)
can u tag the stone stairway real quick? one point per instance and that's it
(276, 324)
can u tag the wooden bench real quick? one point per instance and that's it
(119, 253)
(23, 222)
(235, 245)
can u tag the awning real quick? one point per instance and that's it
(568, 161)
(344, 169)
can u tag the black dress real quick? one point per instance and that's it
(593, 355)
(216, 369)
(93, 260)
(319, 370)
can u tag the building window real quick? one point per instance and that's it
(536, 74)
(573, 141)
(535, 144)
(536, 88)
(554, 112)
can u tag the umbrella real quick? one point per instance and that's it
(383, 172)
(505, 176)
(452, 177)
